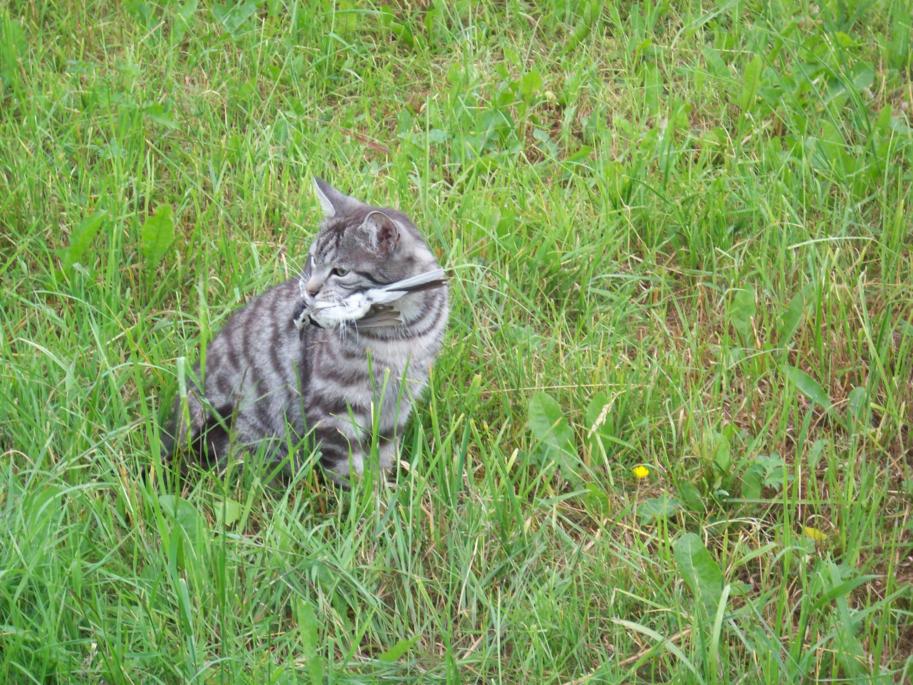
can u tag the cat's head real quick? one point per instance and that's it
(359, 247)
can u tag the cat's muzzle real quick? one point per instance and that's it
(302, 317)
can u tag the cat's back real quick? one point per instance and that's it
(253, 363)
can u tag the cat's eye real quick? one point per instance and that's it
(339, 272)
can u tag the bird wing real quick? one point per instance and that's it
(380, 317)
(391, 292)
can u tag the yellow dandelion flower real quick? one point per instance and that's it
(640, 472)
(816, 534)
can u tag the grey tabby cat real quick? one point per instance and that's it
(266, 381)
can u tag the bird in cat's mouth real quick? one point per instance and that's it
(370, 308)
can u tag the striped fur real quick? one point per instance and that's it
(267, 383)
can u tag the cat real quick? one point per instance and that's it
(267, 382)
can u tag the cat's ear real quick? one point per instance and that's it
(332, 202)
(381, 232)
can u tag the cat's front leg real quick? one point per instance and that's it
(339, 454)
(388, 451)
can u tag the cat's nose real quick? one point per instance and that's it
(312, 287)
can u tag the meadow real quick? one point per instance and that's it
(669, 437)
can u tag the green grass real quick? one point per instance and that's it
(680, 235)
